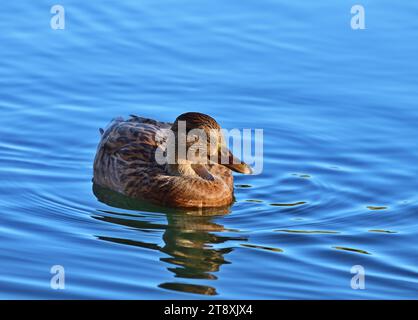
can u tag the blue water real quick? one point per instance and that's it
(339, 112)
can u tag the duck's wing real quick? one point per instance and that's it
(134, 139)
(128, 147)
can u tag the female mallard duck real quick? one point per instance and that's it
(126, 162)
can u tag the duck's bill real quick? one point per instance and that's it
(230, 161)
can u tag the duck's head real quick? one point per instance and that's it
(198, 142)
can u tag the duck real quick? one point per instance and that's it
(142, 158)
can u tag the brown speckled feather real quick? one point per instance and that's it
(125, 162)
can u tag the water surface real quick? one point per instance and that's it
(339, 112)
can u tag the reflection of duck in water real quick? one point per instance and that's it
(126, 161)
(188, 239)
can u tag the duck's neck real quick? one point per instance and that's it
(184, 167)
(181, 169)
(189, 170)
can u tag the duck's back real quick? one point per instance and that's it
(125, 162)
